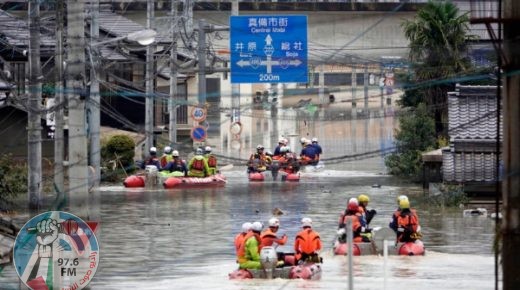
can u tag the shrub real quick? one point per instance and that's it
(13, 180)
(120, 148)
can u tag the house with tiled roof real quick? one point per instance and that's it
(471, 158)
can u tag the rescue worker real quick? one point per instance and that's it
(405, 223)
(363, 203)
(288, 161)
(152, 159)
(211, 160)
(240, 238)
(317, 147)
(248, 252)
(268, 236)
(166, 157)
(257, 161)
(359, 226)
(307, 243)
(308, 153)
(177, 164)
(198, 167)
(277, 150)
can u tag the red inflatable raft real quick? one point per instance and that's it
(360, 249)
(259, 176)
(134, 181)
(214, 180)
(307, 271)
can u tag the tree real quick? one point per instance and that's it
(415, 135)
(438, 38)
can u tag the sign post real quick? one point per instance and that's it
(268, 49)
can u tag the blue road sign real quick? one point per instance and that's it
(268, 49)
(198, 133)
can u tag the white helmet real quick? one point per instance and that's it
(257, 226)
(175, 153)
(199, 151)
(153, 150)
(306, 222)
(285, 141)
(167, 150)
(281, 141)
(246, 227)
(303, 140)
(207, 149)
(260, 147)
(314, 140)
(274, 222)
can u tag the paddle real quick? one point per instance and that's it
(226, 167)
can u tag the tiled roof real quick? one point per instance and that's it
(16, 31)
(472, 113)
(464, 167)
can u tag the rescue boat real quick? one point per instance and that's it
(213, 180)
(134, 181)
(362, 249)
(269, 259)
(376, 246)
(260, 176)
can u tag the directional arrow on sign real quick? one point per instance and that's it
(283, 64)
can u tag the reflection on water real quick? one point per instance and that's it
(183, 238)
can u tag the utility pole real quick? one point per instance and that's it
(511, 180)
(172, 104)
(95, 98)
(59, 100)
(149, 77)
(365, 85)
(78, 161)
(34, 129)
(201, 56)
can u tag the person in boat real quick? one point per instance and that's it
(363, 200)
(268, 236)
(240, 238)
(405, 223)
(166, 157)
(277, 151)
(359, 226)
(317, 147)
(198, 166)
(258, 162)
(307, 243)
(308, 154)
(248, 252)
(211, 160)
(288, 161)
(177, 164)
(152, 159)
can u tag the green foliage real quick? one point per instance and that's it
(450, 196)
(120, 148)
(13, 180)
(415, 135)
(438, 38)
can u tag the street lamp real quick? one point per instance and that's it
(143, 37)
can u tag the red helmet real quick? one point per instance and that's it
(353, 204)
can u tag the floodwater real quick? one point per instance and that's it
(183, 238)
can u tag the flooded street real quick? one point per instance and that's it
(183, 238)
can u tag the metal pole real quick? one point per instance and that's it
(365, 84)
(95, 99)
(78, 163)
(201, 55)
(149, 104)
(34, 129)
(354, 86)
(382, 87)
(235, 88)
(321, 89)
(385, 259)
(172, 104)
(59, 144)
(348, 228)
